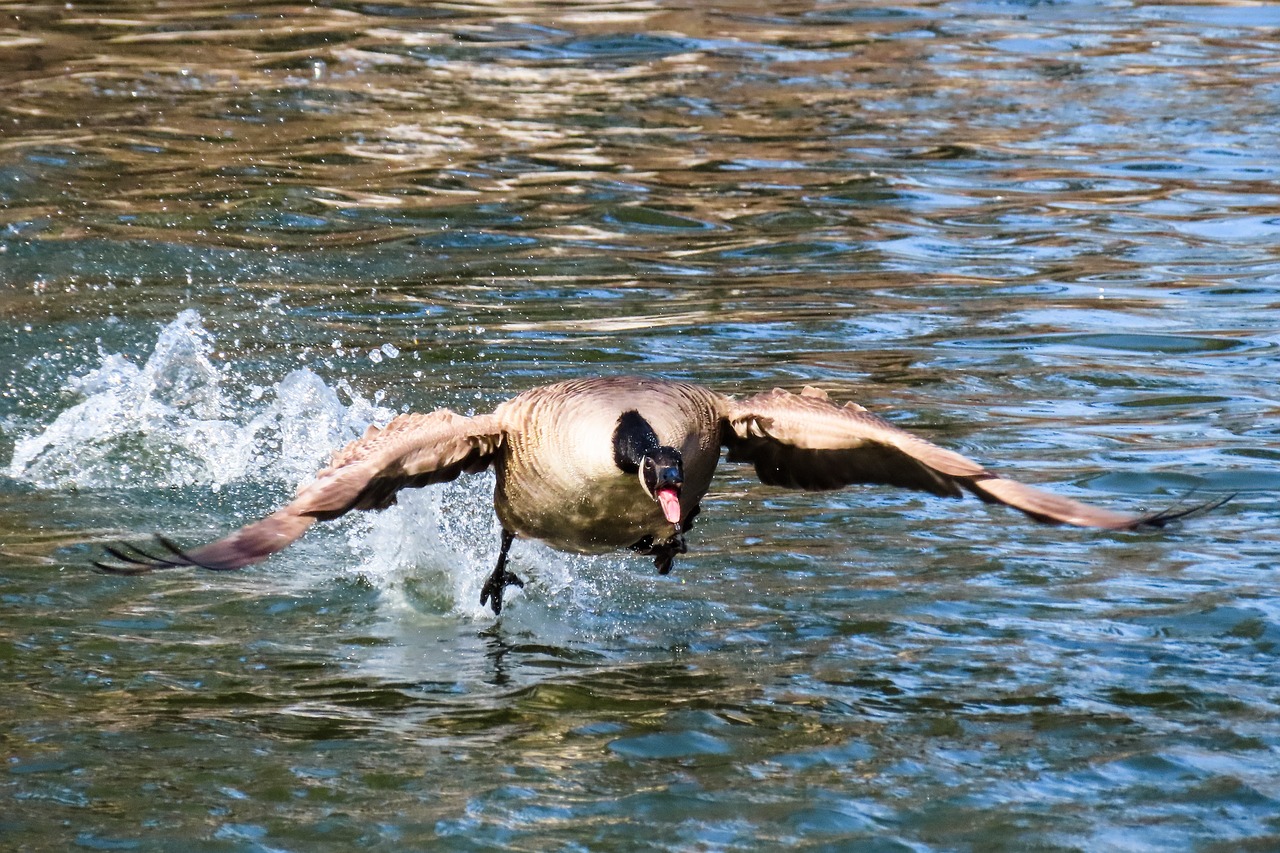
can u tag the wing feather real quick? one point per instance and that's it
(804, 441)
(412, 450)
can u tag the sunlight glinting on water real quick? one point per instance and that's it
(1043, 235)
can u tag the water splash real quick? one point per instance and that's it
(299, 429)
(169, 423)
(432, 552)
(157, 425)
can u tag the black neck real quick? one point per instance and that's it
(633, 439)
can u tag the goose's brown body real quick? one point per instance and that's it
(593, 465)
(557, 477)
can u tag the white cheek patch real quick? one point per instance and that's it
(645, 485)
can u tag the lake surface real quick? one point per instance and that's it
(1043, 234)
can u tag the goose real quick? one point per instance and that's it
(600, 464)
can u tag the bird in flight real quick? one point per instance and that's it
(599, 464)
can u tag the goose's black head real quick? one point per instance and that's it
(636, 450)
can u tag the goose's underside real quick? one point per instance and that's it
(609, 519)
(558, 479)
(567, 470)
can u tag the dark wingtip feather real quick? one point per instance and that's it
(144, 558)
(1163, 518)
(127, 569)
(132, 560)
(186, 558)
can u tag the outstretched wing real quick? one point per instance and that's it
(412, 450)
(804, 441)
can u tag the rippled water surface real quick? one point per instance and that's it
(1043, 234)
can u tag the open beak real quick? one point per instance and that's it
(669, 500)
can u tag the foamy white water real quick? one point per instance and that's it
(171, 423)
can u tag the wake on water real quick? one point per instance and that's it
(170, 423)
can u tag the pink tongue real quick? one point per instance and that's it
(670, 504)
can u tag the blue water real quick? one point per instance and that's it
(233, 235)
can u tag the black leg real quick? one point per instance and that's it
(664, 551)
(491, 592)
(664, 554)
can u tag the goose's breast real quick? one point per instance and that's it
(559, 488)
(558, 480)
(588, 515)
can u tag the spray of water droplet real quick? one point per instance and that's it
(170, 423)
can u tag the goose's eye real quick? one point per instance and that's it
(648, 478)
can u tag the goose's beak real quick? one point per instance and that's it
(669, 500)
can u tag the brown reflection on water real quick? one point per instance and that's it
(277, 124)
(1044, 233)
(813, 152)
(738, 172)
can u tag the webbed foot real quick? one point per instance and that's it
(499, 578)
(491, 592)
